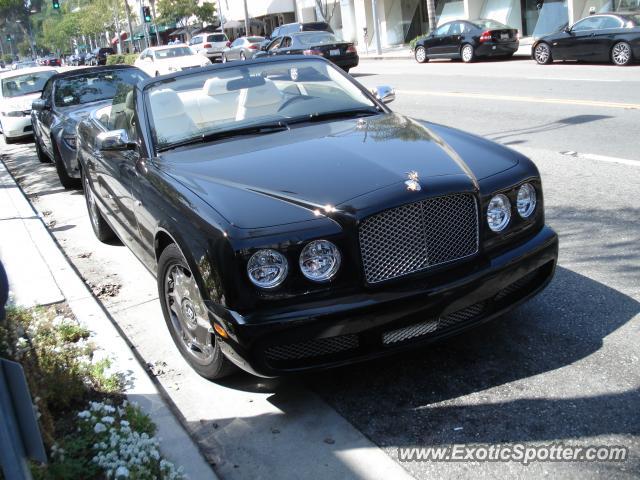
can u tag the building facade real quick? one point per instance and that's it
(399, 21)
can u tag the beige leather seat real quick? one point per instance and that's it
(169, 116)
(259, 101)
(217, 103)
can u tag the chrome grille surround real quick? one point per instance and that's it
(417, 236)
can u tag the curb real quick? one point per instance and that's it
(175, 443)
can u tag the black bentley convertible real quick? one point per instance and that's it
(298, 223)
(608, 37)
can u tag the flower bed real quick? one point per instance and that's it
(89, 429)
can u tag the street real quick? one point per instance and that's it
(562, 368)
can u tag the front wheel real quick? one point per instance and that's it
(66, 180)
(468, 53)
(224, 59)
(542, 54)
(621, 54)
(100, 227)
(421, 55)
(42, 157)
(187, 318)
(242, 57)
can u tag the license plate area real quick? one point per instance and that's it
(504, 36)
(334, 52)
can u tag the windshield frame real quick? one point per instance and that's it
(143, 104)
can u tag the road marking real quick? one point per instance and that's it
(513, 98)
(605, 158)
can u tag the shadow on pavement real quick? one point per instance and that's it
(545, 127)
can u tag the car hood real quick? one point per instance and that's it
(288, 176)
(20, 103)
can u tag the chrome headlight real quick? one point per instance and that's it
(498, 213)
(320, 260)
(267, 268)
(526, 200)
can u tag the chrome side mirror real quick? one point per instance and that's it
(384, 93)
(114, 140)
(39, 105)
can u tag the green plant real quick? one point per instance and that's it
(412, 43)
(120, 58)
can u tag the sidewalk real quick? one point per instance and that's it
(39, 274)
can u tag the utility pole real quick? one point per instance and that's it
(127, 10)
(431, 13)
(376, 26)
(247, 21)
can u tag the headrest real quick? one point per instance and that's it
(165, 103)
(128, 102)
(267, 94)
(215, 86)
(11, 85)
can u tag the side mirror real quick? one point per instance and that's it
(567, 29)
(39, 105)
(114, 140)
(384, 93)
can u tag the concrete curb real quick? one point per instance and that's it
(176, 444)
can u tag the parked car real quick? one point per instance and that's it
(609, 37)
(100, 55)
(242, 48)
(300, 224)
(171, 58)
(24, 64)
(89, 59)
(66, 99)
(50, 61)
(323, 44)
(211, 45)
(468, 40)
(288, 28)
(18, 88)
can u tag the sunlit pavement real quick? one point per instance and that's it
(562, 368)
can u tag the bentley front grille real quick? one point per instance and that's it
(312, 348)
(418, 236)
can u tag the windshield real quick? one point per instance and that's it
(172, 52)
(93, 87)
(490, 24)
(25, 84)
(316, 38)
(190, 107)
(217, 38)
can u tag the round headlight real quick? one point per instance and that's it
(320, 260)
(498, 213)
(267, 268)
(526, 200)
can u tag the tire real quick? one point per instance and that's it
(420, 54)
(224, 59)
(242, 57)
(67, 181)
(8, 140)
(157, 74)
(183, 313)
(467, 53)
(621, 54)
(42, 157)
(542, 53)
(101, 228)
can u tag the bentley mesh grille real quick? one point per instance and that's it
(462, 315)
(419, 235)
(516, 286)
(312, 348)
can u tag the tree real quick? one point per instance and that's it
(325, 10)
(180, 11)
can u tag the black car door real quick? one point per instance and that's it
(433, 43)
(579, 42)
(452, 42)
(605, 37)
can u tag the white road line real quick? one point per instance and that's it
(605, 158)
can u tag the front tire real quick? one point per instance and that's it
(187, 317)
(242, 57)
(42, 157)
(224, 58)
(67, 181)
(100, 227)
(467, 53)
(421, 55)
(542, 54)
(621, 54)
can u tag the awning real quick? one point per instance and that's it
(123, 36)
(237, 24)
(181, 31)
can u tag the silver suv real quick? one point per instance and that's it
(210, 45)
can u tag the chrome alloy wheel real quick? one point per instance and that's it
(542, 53)
(621, 53)
(421, 54)
(467, 53)
(188, 313)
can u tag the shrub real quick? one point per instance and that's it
(412, 43)
(120, 58)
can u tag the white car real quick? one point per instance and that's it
(211, 45)
(18, 88)
(168, 59)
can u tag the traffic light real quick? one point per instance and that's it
(146, 13)
(56, 4)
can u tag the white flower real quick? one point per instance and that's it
(84, 414)
(108, 419)
(99, 428)
(122, 471)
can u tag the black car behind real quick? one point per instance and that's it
(322, 44)
(66, 99)
(607, 37)
(468, 40)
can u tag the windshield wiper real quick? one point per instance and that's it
(350, 113)
(234, 132)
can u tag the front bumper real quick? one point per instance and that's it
(383, 321)
(17, 127)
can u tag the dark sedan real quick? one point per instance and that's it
(608, 37)
(67, 98)
(468, 40)
(322, 44)
(298, 224)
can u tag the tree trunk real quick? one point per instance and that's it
(127, 9)
(431, 12)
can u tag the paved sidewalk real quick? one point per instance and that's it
(39, 274)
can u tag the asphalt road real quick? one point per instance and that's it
(562, 368)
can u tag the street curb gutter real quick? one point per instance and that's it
(176, 444)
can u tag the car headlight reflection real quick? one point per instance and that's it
(498, 213)
(267, 268)
(526, 201)
(320, 260)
